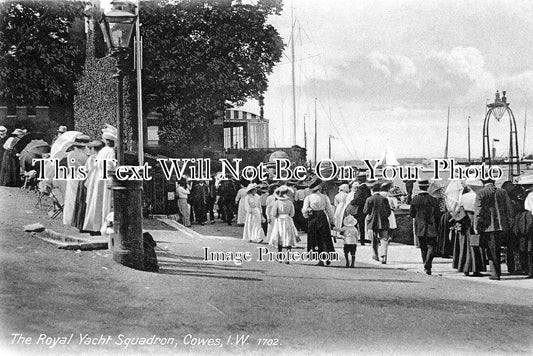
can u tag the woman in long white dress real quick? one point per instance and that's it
(284, 233)
(253, 232)
(339, 203)
(239, 201)
(99, 197)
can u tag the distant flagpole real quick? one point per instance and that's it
(316, 135)
(447, 134)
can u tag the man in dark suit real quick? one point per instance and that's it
(425, 210)
(358, 202)
(493, 217)
(378, 210)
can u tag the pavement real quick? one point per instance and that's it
(296, 309)
(400, 257)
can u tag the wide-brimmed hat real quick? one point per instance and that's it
(251, 187)
(349, 221)
(17, 132)
(81, 141)
(386, 186)
(62, 129)
(344, 188)
(96, 143)
(3, 129)
(423, 184)
(109, 136)
(314, 185)
(281, 192)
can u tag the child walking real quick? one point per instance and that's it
(350, 235)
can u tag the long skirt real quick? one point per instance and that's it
(80, 207)
(10, 170)
(466, 256)
(185, 212)
(241, 212)
(252, 227)
(284, 232)
(299, 219)
(319, 233)
(444, 246)
(70, 201)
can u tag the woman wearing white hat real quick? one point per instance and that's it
(99, 197)
(284, 233)
(253, 232)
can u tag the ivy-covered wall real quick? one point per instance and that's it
(96, 101)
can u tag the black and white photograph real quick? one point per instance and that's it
(266, 177)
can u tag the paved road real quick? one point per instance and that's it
(296, 308)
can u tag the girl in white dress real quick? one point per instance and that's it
(253, 232)
(284, 233)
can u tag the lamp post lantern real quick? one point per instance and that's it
(127, 242)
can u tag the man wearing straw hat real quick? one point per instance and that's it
(377, 209)
(425, 210)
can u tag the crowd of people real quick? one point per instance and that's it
(86, 203)
(467, 222)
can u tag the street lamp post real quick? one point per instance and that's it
(127, 242)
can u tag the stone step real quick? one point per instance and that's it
(67, 242)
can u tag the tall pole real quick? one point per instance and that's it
(524, 141)
(138, 68)
(305, 134)
(314, 145)
(329, 146)
(447, 134)
(120, 112)
(127, 240)
(293, 81)
(469, 139)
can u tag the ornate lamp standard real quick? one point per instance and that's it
(497, 110)
(127, 243)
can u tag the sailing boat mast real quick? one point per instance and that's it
(305, 134)
(293, 80)
(524, 141)
(469, 139)
(314, 145)
(447, 134)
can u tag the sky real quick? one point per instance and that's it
(385, 72)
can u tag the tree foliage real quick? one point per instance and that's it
(200, 57)
(40, 57)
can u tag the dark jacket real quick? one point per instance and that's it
(359, 199)
(378, 210)
(493, 210)
(425, 211)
